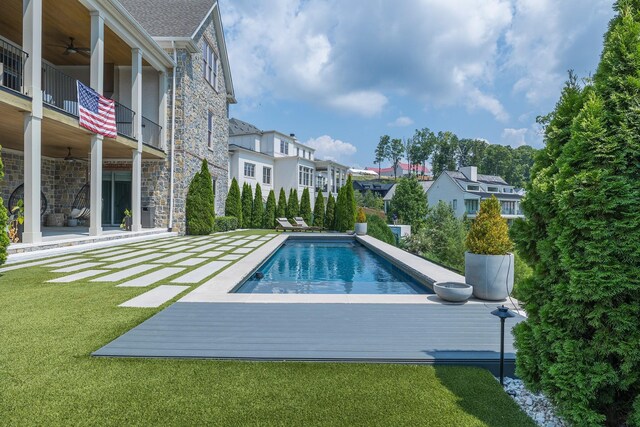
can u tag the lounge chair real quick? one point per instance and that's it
(285, 225)
(302, 223)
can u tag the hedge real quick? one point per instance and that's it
(226, 223)
(200, 202)
(376, 227)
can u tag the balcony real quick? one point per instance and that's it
(12, 60)
(60, 91)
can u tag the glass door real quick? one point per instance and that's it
(116, 196)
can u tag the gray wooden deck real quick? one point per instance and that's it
(389, 333)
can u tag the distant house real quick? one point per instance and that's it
(464, 189)
(402, 169)
(375, 187)
(387, 198)
(271, 158)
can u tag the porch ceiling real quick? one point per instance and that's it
(62, 19)
(60, 131)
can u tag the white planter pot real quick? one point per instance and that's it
(361, 228)
(490, 275)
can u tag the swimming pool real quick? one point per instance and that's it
(329, 266)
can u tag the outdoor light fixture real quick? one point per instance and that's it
(503, 313)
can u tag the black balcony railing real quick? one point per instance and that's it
(151, 133)
(59, 90)
(12, 60)
(124, 120)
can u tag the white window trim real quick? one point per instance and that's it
(244, 170)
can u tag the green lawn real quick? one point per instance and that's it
(47, 376)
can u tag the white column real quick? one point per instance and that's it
(32, 44)
(97, 81)
(136, 170)
(163, 91)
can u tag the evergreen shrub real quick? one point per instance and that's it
(226, 223)
(200, 205)
(489, 234)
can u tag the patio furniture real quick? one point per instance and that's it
(301, 222)
(81, 208)
(18, 194)
(285, 225)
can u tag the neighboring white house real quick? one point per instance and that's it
(271, 158)
(464, 189)
(330, 177)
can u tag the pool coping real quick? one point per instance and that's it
(220, 288)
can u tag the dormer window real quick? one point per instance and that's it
(492, 189)
(473, 187)
(284, 147)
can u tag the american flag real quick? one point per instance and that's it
(97, 113)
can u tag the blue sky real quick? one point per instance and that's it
(340, 73)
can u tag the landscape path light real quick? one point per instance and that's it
(503, 313)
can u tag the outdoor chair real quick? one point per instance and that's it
(285, 225)
(302, 223)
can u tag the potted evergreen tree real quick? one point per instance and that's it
(361, 223)
(488, 262)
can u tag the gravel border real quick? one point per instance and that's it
(536, 405)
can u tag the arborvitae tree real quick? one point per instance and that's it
(489, 233)
(200, 203)
(350, 201)
(318, 211)
(329, 217)
(233, 204)
(258, 208)
(410, 203)
(4, 239)
(344, 217)
(269, 220)
(305, 206)
(247, 206)
(580, 343)
(281, 210)
(293, 208)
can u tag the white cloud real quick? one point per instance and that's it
(328, 148)
(514, 137)
(545, 40)
(354, 56)
(401, 121)
(365, 103)
(486, 102)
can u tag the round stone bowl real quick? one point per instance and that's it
(453, 291)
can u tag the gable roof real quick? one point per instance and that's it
(425, 186)
(180, 21)
(170, 18)
(239, 127)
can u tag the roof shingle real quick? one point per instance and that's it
(169, 18)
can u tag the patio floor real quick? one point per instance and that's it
(385, 333)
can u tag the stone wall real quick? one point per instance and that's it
(195, 97)
(61, 182)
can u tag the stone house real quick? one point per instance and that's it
(165, 64)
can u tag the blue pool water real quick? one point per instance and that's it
(330, 267)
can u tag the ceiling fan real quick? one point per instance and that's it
(70, 158)
(71, 48)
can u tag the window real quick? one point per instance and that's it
(210, 64)
(210, 129)
(471, 206)
(298, 151)
(508, 208)
(284, 147)
(266, 175)
(249, 170)
(305, 176)
(473, 187)
(454, 205)
(492, 189)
